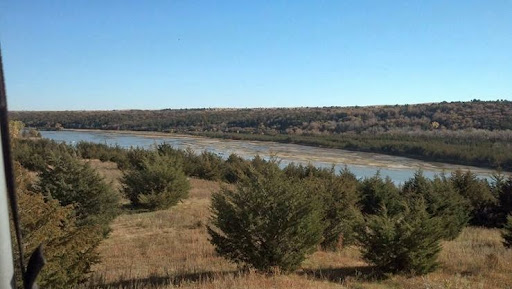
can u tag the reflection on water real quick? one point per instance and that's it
(399, 169)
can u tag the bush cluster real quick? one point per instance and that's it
(399, 229)
(35, 154)
(157, 182)
(269, 221)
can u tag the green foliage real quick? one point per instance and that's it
(261, 165)
(68, 248)
(407, 242)
(377, 192)
(441, 201)
(72, 182)
(103, 152)
(209, 166)
(135, 158)
(301, 172)
(507, 232)
(35, 154)
(169, 150)
(268, 222)
(482, 201)
(341, 215)
(157, 182)
(190, 161)
(505, 200)
(235, 168)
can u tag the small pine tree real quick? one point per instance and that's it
(441, 201)
(235, 168)
(507, 232)
(376, 193)
(35, 154)
(408, 242)
(72, 182)
(158, 182)
(68, 249)
(339, 198)
(268, 222)
(135, 158)
(505, 201)
(478, 193)
(209, 166)
(259, 164)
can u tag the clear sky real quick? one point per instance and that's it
(90, 54)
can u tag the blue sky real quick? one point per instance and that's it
(68, 55)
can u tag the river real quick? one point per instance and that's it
(399, 169)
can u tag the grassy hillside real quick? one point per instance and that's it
(168, 249)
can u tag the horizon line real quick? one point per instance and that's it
(258, 108)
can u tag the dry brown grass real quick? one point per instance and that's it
(107, 170)
(170, 248)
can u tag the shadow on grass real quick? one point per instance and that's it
(155, 281)
(130, 209)
(338, 275)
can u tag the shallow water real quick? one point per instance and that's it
(399, 169)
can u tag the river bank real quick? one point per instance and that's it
(361, 163)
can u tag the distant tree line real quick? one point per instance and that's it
(487, 115)
(474, 133)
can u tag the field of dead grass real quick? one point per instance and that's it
(170, 248)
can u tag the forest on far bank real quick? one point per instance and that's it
(477, 133)
(488, 115)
